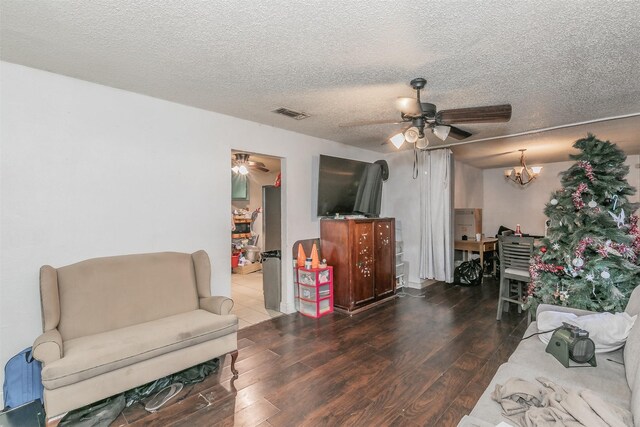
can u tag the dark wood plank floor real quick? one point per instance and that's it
(410, 362)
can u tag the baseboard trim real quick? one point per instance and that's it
(287, 308)
(423, 284)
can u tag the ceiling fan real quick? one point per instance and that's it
(242, 164)
(424, 115)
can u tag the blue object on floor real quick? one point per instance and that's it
(22, 380)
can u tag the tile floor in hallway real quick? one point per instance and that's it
(246, 291)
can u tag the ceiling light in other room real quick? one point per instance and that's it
(441, 131)
(397, 140)
(242, 169)
(522, 174)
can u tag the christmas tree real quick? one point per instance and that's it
(589, 259)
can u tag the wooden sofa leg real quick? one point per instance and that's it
(234, 357)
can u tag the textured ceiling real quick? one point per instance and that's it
(556, 62)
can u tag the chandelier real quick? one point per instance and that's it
(522, 174)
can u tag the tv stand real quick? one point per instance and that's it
(362, 253)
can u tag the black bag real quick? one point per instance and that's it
(469, 273)
(102, 413)
(192, 375)
(98, 414)
(29, 414)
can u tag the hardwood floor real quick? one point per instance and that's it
(409, 362)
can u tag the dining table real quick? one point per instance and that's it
(487, 244)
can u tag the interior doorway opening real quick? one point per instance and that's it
(255, 237)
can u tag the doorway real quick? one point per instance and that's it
(255, 205)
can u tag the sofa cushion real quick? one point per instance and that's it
(635, 403)
(92, 355)
(489, 410)
(632, 355)
(606, 378)
(103, 294)
(608, 331)
(633, 306)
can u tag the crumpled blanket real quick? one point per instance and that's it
(542, 404)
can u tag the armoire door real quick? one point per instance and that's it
(384, 244)
(362, 270)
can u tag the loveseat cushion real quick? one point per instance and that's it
(103, 294)
(92, 355)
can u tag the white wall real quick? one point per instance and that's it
(88, 171)
(401, 200)
(502, 202)
(508, 204)
(469, 188)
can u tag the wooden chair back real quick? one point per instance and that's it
(515, 252)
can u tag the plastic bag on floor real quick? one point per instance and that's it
(98, 414)
(469, 273)
(192, 375)
(102, 413)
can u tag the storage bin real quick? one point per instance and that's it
(314, 290)
(313, 293)
(315, 276)
(316, 309)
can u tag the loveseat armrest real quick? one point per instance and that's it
(48, 347)
(562, 309)
(217, 304)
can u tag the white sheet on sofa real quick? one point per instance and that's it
(607, 330)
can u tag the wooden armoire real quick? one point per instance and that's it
(362, 253)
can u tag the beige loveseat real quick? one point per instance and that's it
(111, 324)
(616, 379)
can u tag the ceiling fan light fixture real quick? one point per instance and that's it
(441, 131)
(242, 169)
(412, 134)
(235, 169)
(422, 143)
(397, 140)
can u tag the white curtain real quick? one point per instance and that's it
(436, 215)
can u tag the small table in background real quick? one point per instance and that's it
(488, 244)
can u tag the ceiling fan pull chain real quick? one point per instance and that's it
(415, 162)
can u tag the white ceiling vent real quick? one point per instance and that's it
(290, 113)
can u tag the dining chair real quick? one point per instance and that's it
(515, 254)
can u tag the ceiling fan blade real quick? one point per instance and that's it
(370, 122)
(409, 106)
(488, 114)
(458, 133)
(252, 163)
(260, 168)
(241, 157)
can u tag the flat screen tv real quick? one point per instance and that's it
(349, 187)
